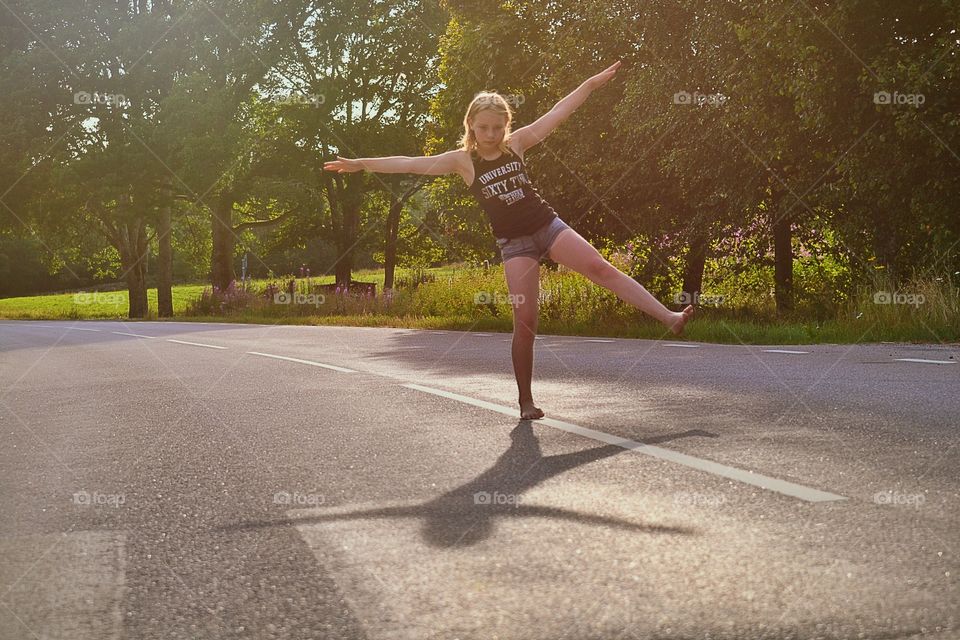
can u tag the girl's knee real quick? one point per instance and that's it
(524, 328)
(600, 270)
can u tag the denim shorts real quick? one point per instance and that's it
(536, 245)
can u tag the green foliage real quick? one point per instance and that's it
(239, 105)
(105, 264)
(476, 300)
(192, 245)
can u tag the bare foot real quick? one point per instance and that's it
(680, 319)
(528, 411)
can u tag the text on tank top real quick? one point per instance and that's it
(504, 191)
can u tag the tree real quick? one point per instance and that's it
(373, 76)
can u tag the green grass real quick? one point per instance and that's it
(89, 306)
(570, 305)
(114, 304)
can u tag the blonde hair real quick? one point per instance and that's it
(486, 101)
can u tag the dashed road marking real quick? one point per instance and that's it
(70, 585)
(195, 344)
(310, 362)
(924, 360)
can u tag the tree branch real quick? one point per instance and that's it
(261, 223)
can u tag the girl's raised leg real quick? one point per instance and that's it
(571, 250)
(523, 281)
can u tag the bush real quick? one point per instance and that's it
(214, 301)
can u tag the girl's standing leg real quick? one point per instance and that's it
(523, 281)
(571, 250)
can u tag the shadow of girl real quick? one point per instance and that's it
(467, 514)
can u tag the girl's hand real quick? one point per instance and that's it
(343, 165)
(604, 76)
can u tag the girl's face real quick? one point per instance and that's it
(489, 128)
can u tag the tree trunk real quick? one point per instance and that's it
(393, 230)
(346, 240)
(133, 261)
(693, 270)
(783, 264)
(390, 251)
(165, 275)
(222, 273)
(886, 246)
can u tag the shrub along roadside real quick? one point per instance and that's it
(477, 300)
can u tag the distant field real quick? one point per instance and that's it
(91, 304)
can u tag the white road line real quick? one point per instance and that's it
(50, 326)
(764, 482)
(483, 335)
(135, 335)
(221, 324)
(310, 362)
(195, 344)
(926, 361)
(93, 563)
(684, 346)
(782, 351)
(595, 340)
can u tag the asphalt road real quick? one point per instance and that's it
(250, 481)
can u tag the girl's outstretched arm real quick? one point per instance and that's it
(437, 165)
(528, 136)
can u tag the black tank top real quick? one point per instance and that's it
(510, 201)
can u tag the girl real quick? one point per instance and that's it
(490, 161)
